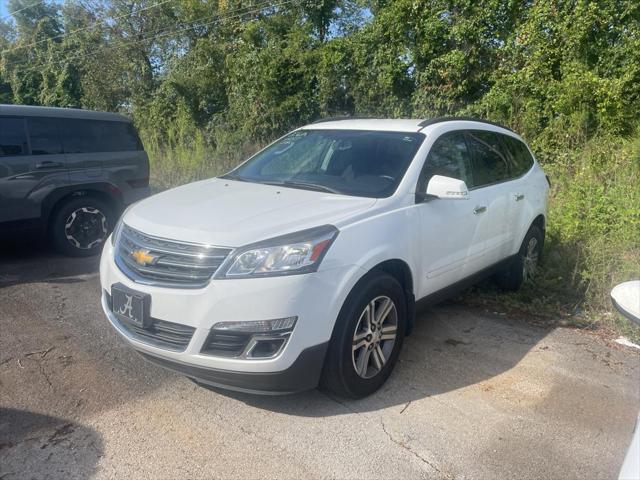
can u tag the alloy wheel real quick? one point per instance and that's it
(530, 260)
(86, 227)
(374, 337)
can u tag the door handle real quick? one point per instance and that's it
(518, 196)
(48, 164)
(480, 209)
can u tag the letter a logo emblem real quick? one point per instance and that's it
(127, 308)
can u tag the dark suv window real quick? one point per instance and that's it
(44, 136)
(489, 161)
(520, 159)
(91, 136)
(13, 138)
(448, 157)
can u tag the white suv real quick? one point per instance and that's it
(304, 265)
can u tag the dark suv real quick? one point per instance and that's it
(68, 173)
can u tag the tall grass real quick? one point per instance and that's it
(194, 160)
(594, 228)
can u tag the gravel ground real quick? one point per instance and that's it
(475, 395)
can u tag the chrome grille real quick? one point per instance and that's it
(171, 263)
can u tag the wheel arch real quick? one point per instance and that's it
(541, 222)
(400, 270)
(103, 191)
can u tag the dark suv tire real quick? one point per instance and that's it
(523, 266)
(364, 348)
(80, 226)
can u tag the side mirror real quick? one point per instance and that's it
(626, 299)
(447, 187)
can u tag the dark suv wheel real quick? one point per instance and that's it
(80, 226)
(367, 338)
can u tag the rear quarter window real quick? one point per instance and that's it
(520, 159)
(92, 136)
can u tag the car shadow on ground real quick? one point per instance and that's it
(31, 259)
(30, 446)
(450, 348)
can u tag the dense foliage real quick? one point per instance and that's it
(208, 81)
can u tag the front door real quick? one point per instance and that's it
(450, 242)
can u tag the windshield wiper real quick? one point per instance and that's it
(304, 185)
(310, 186)
(232, 176)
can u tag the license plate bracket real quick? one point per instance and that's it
(130, 305)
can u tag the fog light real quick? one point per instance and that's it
(251, 340)
(266, 348)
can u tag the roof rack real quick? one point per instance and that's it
(336, 119)
(432, 121)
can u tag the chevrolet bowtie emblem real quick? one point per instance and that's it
(143, 257)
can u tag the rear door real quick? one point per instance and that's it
(81, 141)
(489, 193)
(522, 190)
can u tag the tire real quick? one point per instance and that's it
(340, 374)
(80, 226)
(524, 265)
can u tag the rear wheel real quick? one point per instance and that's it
(367, 338)
(524, 265)
(81, 225)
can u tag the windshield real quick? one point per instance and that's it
(350, 162)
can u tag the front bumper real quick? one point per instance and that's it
(303, 374)
(315, 299)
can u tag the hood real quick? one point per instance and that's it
(231, 213)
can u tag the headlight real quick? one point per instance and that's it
(116, 229)
(291, 254)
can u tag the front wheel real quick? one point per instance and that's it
(367, 338)
(523, 267)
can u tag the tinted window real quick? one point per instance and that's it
(44, 136)
(90, 136)
(448, 157)
(13, 138)
(361, 163)
(520, 157)
(119, 137)
(489, 162)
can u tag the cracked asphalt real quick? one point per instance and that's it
(474, 396)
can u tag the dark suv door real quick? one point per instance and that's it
(30, 158)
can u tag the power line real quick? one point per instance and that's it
(77, 30)
(167, 32)
(12, 14)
